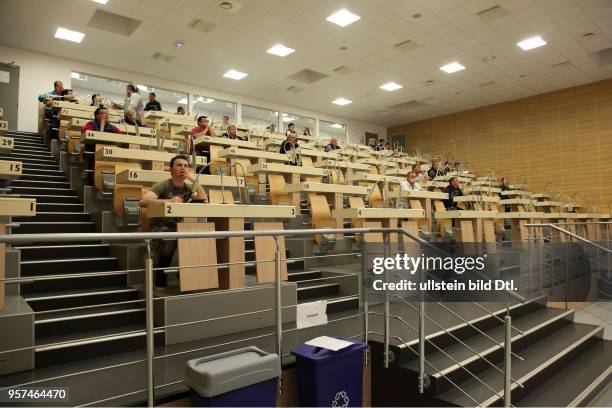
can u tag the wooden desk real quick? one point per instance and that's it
(540, 195)
(342, 165)
(422, 200)
(234, 152)
(517, 201)
(6, 144)
(479, 202)
(224, 141)
(11, 207)
(435, 184)
(3, 126)
(485, 183)
(352, 152)
(397, 172)
(114, 138)
(1, 113)
(447, 177)
(278, 168)
(224, 217)
(117, 154)
(520, 233)
(548, 204)
(512, 193)
(170, 118)
(76, 124)
(375, 162)
(68, 114)
(10, 170)
(316, 153)
(150, 177)
(482, 189)
(380, 217)
(58, 105)
(325, 188)
(374, 178)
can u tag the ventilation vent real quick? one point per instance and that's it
(113, 23)
(308, 76)
(163, 57)
(405, 107)
(343, 70)
(201, 25)
(488, 83)
(562, 65)
(294, 89)
(230, 6)
(407, 45)
(491, 14)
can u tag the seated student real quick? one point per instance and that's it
(333, 145)
(290, 130)
(56, 93)
(306, 132)
(231, 133)
(380, 145)
(181, 111)
(410, 184)
(225, 124)
(100, 115)
(96, 100)
(287, 146)
(453, 190)
(153, 104)
(387, 146)
(203, 129)
(433, 170)
(174, 190)
(131, 119)
(416, 168)
(68, 96)
(505, 184)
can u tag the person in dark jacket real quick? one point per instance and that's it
(153, 104)
(287, 146)
(453, 190)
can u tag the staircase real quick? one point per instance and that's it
(63, 335)
(563, 362)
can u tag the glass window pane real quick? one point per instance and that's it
(301, 123)
(331, 129)
(113, 90)
(215, 109)
(253, 116)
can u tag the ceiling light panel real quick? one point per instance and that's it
(531, 43)
(452, 67)
(342, 101)
(280, 50)
(101, 1)
(233, 74)
(391, 86)
(69, 35)
(343, 18)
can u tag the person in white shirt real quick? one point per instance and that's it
(420, 177)
(133, 100)
(410, 184)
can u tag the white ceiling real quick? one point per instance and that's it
(449, 30)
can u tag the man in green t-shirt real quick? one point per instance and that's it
(175, 190)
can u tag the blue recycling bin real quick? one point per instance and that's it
(329, 378)
(239, 378)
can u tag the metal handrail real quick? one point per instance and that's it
(571, 234)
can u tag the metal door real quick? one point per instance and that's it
(9, 93)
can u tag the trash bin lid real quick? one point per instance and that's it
(319, 354)
(225, 372)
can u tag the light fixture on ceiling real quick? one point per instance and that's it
(101, 1)
(430, 82)
(588, 36)
(531, 43)
(343, 48)
(145, 88)
(226, 5)
(343, 18)
(288, 119)
(489, 58)
(179, 44)
(417, 15)
(80, 77)
(182, 101)
(452, 67)
(337, 126)
(233, 74)
(280, 50)
(342, 101)
(69, 35)
(391, 86)
(457, 93)
(204, 100)
(522, 76)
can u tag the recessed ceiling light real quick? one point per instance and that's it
(588, 36)
(390, 86)
(430, 82)
(417, 15)
(144, 88)
(343, 18)
(337, 126)
(101, 1)
(179, 44)
(489, 58)
(522, 76)
(343, 48)
(531, 43)
(182, 101)
(75, 75)
(457, 93)
(69, 35)
(233, 74)
(280, 50)
(226, 5)
(342, 101)
(452, 67)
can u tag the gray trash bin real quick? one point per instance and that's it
(244, 377)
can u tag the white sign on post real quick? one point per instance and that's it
(311, 314)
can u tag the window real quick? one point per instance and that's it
(331, 129)
(300, 122)
(253, 116)
(113, 90)
(214, 109)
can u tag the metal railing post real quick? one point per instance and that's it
(508, 362)
(422, 337)
(149, 279)
(387, 327)
(278, 309)
(364, 291)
